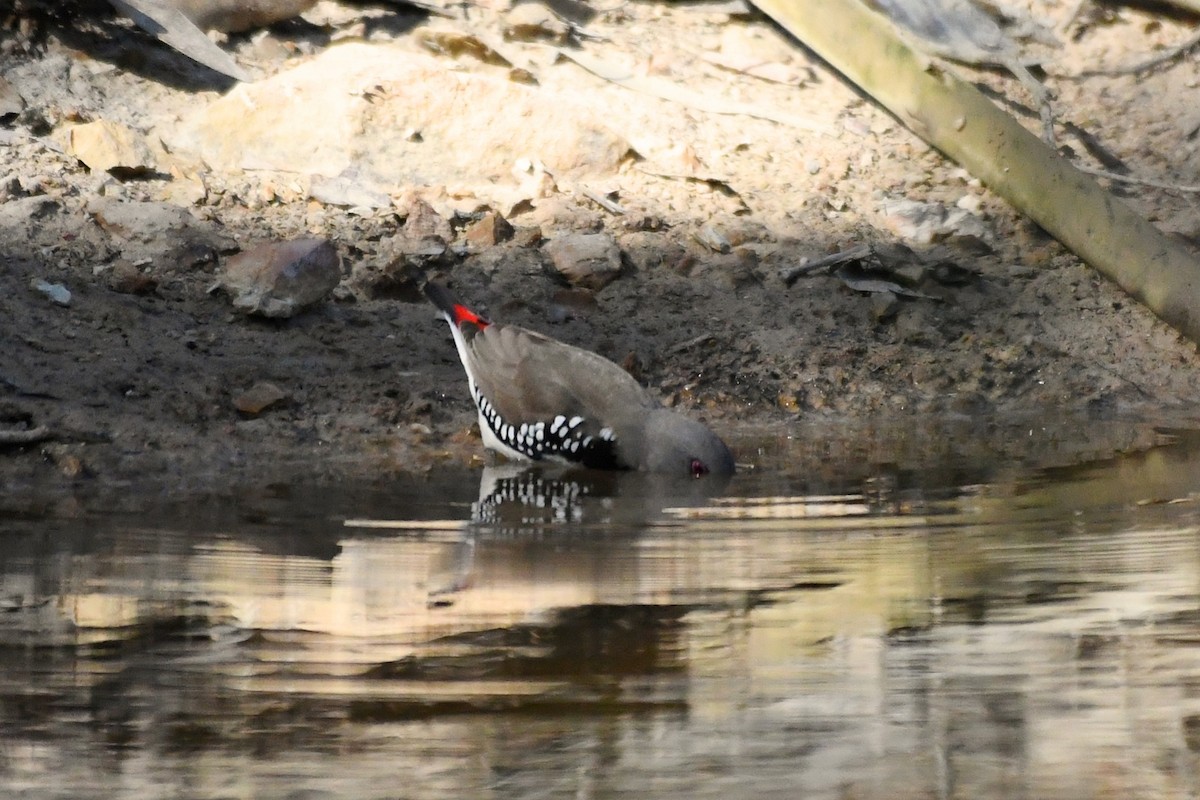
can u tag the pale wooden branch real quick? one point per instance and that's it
(23, 436)
(1155, 61)
(1184, 188)
(957, 119)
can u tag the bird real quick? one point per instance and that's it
(540, 399)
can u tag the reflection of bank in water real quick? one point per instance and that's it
(1038, 630)
(541, 539)
(539, 544)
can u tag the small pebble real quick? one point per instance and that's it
(58, 294)
(259, 398)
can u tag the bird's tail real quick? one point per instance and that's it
(454, 311)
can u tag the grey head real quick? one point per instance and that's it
(671, 444)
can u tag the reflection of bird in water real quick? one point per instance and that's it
(539, 399)
(519, 502)
(521, 497)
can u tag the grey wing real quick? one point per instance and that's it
(544, 377)
(573, 394)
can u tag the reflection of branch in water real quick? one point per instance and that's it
(464, 563)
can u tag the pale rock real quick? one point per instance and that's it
(348, 191)
(158, 232)
(11, 102)
(187, 187)
(531, 22)
(105, 146)
(139, 221)
(925, 223)
(56, 292)
(346, 107)
(25, 211)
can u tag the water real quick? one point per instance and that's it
(1033, 635)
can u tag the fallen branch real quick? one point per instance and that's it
(657, 87)
(690, 343)
(957, 119)
(10, 437)
(791, 274)
(1183, 188)
(1170, 54)
(172, 27)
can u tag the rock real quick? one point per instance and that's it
(158, 231)
(713, 239)
(259, 398)
(531, 22)
(396, 279)
(527, 237)
(351, 104)
(136, 221)
(925, 223)
(884, 306)
(128, 279)
(423, 240)
(559, 213)
(489, 231)
(56, 292)
(423, 223)
(279, 279)
(187, 187)
(733, 270)
(348, 191)
(590, 260)
(24, 211)
(11, 102)
(650, 251)
(109, 147)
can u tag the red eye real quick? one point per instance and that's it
(698, 468)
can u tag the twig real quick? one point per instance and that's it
(1113, 176)
(11, 437)
(690, 343)
(1065, 26)
(13, 386)
(1170, 54)
(602, 201)
(792, 274)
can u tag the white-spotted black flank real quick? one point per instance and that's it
(560, 438)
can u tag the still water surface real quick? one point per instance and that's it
(1033, 636)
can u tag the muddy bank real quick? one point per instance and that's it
(141, 376)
